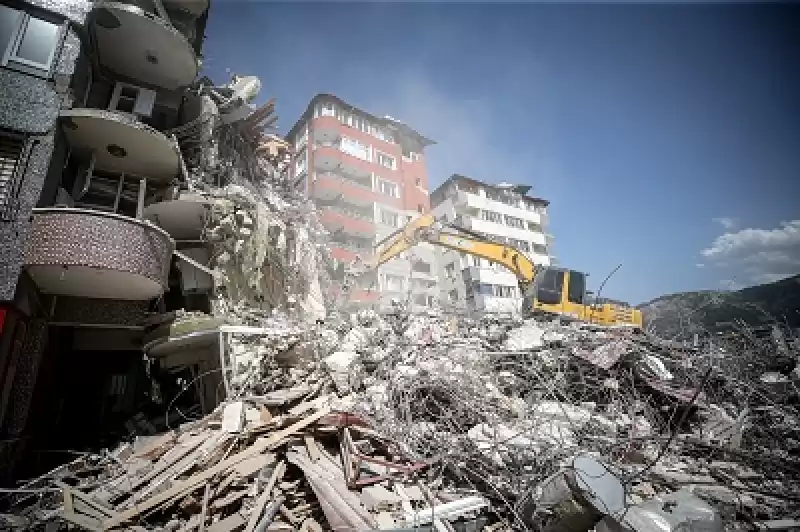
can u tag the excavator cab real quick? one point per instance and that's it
(557, 290)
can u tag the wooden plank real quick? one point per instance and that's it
(67, 500)
(232, 522)
(311, 445)
(265, 496)
(260, 445)
(204, 508)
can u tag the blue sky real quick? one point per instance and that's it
(667, 137)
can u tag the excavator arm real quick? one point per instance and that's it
(427, 229)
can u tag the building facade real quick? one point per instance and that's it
(503, 213)
(367, 177)
(90, 93)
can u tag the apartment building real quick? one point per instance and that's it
(91, 94)
(504, 213)
(367, 177)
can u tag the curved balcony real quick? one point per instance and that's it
(141, 47)
(183, 219)
(85, 253)
(121, 143)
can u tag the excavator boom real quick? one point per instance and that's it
(561, 291)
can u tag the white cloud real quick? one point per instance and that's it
(700, 265)
(727, 223)
(761, 255)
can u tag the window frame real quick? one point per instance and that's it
(10, 59)
(385, 183)
(380, 154)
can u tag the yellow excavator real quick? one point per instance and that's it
(545, 289)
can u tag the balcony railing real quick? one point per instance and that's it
(352, 213)
(344, 178)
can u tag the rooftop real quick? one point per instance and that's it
(386, 121)
(522, 190)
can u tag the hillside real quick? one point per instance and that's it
(683, 314)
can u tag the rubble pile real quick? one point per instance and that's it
(397, 421)
(400, 421)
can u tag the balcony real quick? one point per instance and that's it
(184, 218)
(86, 253)
(142, 47)
(475, 201)
(349, 221)
(328, 157)
(120, 143)
(329, 186)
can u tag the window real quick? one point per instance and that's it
(327, 109)
(355, 148)
(453, 294)
(513, 221)
(132, 99)
(577, 287)
(418, 182)
(549, 287)
(421, 267)
(476, 261)
(540, 249)
(387, 161)
(450, 270)
(492, 216)
(420, 208)
(389, 218)
(27, 41)
(521, 245)
(393, 282)
(11, 151)
(387, 188)
(301, 138)
(534, 227)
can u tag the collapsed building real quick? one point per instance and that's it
(408, 421)
(169, 362)
(144, 210)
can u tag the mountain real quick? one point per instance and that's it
(680, 316)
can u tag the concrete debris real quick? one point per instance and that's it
(378, 427)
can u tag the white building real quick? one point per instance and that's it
(503, 213)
